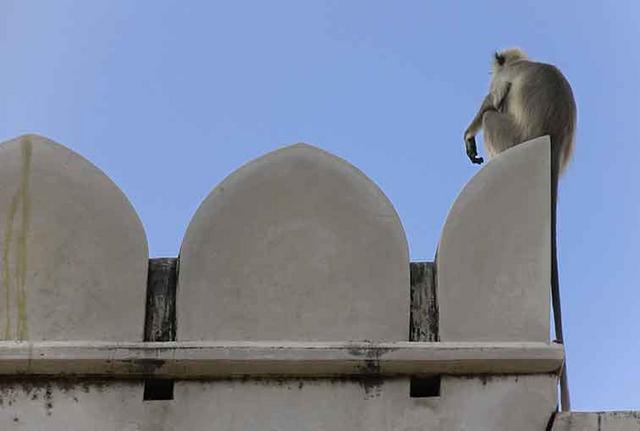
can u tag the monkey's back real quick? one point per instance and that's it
(542, 103)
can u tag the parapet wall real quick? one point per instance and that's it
(293, 305)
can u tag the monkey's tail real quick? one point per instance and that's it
(551, 420)
(556, 159)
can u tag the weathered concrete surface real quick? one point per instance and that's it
(160, 320)
(601, 421)
(296, 245)
(494, 404)
(225, 359)
(507, 403)
(51, 406)
(298, 405)
(424, 303)
(498, 403)
(73, 260)
(494, 254)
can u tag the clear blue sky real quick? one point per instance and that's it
(169, 97)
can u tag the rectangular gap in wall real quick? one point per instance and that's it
(160, 318)
(158, 389)
(425, 387)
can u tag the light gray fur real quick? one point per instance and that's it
(526, 100)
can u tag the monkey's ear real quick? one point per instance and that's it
(499, 58)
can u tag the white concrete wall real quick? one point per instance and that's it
(486, 405)
(491, 404)
(602, 421)
(297, 245)
(66, 406)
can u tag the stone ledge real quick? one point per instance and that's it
(597, 421)
(229, 359)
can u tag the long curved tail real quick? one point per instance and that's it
(556, 166)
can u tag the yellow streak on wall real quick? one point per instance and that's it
(6, 275)
(22, 199)
(21, 269)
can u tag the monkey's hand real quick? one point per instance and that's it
(472, 149)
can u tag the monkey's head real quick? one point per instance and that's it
(508, 56)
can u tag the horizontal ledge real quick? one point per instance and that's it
(229, 359)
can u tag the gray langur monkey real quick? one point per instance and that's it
(527, 100)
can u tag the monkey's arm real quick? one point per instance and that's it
(474, 127)
(476, 123)
(492, 102)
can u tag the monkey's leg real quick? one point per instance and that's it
(500, 132)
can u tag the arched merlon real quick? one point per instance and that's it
(73, 262)
(295, 245)
(494, 253)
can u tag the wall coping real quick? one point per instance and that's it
(230, 359)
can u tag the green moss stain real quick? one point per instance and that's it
(19, 201)
(21, 268)
(6, 275)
